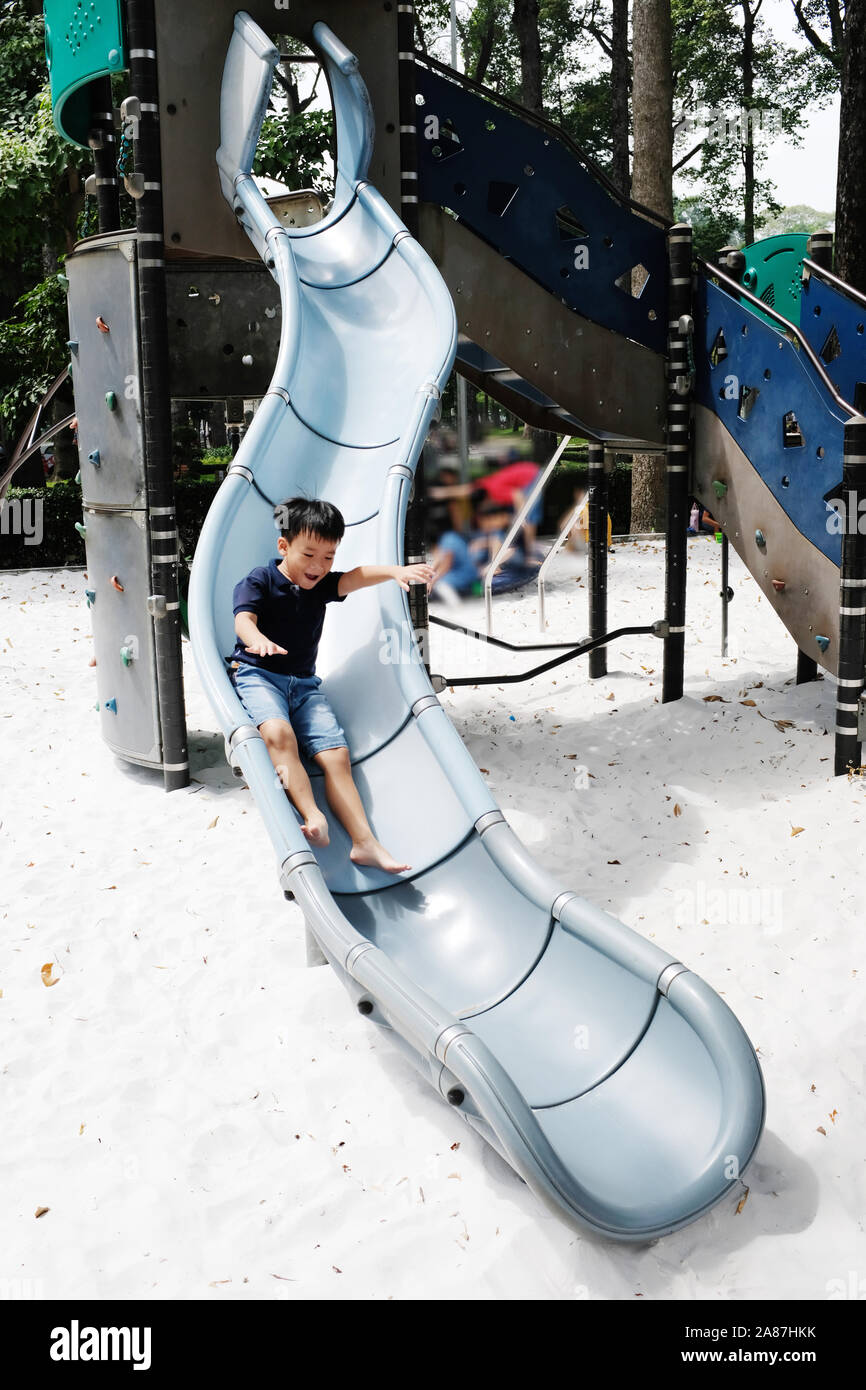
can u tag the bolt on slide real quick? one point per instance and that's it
(611, 1078)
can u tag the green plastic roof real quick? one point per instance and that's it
(83, 41)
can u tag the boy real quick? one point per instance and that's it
(279, 613)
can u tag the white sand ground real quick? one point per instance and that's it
(204, 1117)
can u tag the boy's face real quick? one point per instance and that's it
(494, 521)
(306, 559)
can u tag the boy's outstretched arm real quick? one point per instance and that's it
(363, 576)
(247, 629)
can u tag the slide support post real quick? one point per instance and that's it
(156, 397)
(852, 603)
(680, 392)
(597, 566)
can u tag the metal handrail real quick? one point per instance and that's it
(657, 629)
(552, 554)
(548, 128)
(25, 445)
(834, 280)
(535, 492)
(790, 329)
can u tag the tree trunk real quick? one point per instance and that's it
(851, 177)
(619, 83)
(747, 136)
(524, 22)
(652, 185)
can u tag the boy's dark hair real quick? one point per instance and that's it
(299, 514)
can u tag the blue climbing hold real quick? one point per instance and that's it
(90, 595)
(823, 642)
(94, 458)
(112, 705)
(760, 541)
(513, 720)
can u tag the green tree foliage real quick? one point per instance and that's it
(296, 149)
(32, 351)
(41, 175)
(41, 196)
(718, 77)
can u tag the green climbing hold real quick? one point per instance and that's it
(760, 540)
(111, 400)
(90, 595)
(126, 656)
(719, 488)
(81, 529)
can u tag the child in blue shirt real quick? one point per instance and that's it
(279, 614)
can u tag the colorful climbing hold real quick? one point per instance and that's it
(90, 595)
(94, 458)
(81, 529)
(111, 400)
(760, 540)
(719, 488)
(112, 705)
(823, 642)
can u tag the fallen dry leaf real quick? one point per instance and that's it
(797, 829)
(678, 810)
(822, 1130)
(714, 699)
(749, 702)
(742, 1202)
(213, 822)
(45, 972)
(40, 1211)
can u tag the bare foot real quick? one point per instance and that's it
(371, 853)
(315, 828)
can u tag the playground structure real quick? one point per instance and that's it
(630, 1136)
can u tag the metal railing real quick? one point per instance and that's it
(791, 330)
(529, 501)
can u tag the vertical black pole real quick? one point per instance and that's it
(680, 386)
(597, 567)
(164, 602)
(725, 595)
(852, 601)
(820, 247)
(104, 145)
(414, 539)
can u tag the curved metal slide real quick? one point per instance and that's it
(611, 1078)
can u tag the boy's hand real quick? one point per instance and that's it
(414, 574)
(262, 646)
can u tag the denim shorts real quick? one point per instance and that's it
(296, 699)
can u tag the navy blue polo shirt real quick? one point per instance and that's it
(288, 615)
